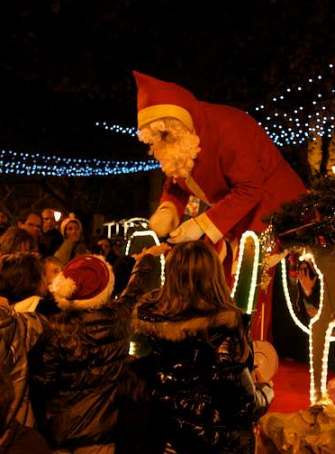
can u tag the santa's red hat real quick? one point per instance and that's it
(157, 99)
(84, 283)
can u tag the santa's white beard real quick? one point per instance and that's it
(177, 158)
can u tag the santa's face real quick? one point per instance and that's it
(175, 146)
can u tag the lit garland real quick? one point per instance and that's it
(255, 268)
(18, 163)
(117, 128)
(288, 128)
(157, 242)
(308, 330)
(284, 128)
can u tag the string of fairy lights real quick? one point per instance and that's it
(16, 163)
(297, 125)
(284, 127)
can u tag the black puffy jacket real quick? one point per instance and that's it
(74, 387)
(206, 397)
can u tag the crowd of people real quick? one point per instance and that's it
(68, 383)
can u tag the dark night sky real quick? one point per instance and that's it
(65, 64)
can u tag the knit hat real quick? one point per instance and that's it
(86, 282)
(70, 218)
(157, 99)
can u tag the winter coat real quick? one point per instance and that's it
(206, 397)
(18, 334)
(75, 385)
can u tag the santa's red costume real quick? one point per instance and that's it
(237, 170)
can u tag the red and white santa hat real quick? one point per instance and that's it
(65, 222)
(157, 99)
(84, 283)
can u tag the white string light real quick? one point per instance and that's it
(288, 128)
(308, 330)
(18, 163)
(117, 128)
(284, 128)
(255, 268)
(156, 241)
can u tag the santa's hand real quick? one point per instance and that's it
(187, 231)
(164, 219)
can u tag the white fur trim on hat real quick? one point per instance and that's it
(70, 218)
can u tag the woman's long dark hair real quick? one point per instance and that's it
(195, 280)
(21, 275)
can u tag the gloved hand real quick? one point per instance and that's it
(187, 231)
(165, 219)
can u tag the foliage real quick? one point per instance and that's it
(310, 219)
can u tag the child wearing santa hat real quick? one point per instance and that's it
(78, 371)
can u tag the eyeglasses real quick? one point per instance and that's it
(30, 224)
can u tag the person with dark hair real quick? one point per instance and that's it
(21, 280)
(199, 369)
(17, 240)
(31, 221)
(23, 283)
(80, 367)
(15, 438)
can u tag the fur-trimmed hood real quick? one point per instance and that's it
(148, 323)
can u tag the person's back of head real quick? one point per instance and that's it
(21, 276)
(194, 279)
(17, 240)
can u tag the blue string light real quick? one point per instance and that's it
(284, 128)
(295, 127)
(117, 128)
(17, 163)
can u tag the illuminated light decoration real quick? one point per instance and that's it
(18, 163)
(308, 330)
(255, 268)
(156, 241)
(290, 132)
(329, 338)
(132, 131)
(57, 215)
(132, 348)
(135, 222)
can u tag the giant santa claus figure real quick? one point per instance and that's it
(216, 153)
